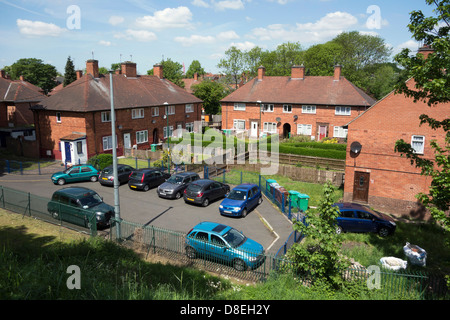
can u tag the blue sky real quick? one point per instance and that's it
(186, 30)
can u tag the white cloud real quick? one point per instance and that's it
(323, 29)
(39, 28)
(105, 43)
(194, 39)
(244, 46)
(228, 4)
(115, 20)
(200, 3)
(412, 45)
(168, 18)
(227, 35)
(138, 35)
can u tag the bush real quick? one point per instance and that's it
(101, 161)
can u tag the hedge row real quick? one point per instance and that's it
(312, 152)
(317, 145)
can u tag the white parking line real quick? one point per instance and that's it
(266, 223)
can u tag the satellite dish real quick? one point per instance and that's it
(295, 117)
(355, 147)
(278, 119)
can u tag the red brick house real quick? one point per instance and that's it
(74, 123)
(16, 98)
(308, 105)
(378, 176)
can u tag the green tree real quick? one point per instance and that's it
(195, 67)
(233, 65)
(210, 93)
(69, 72)
(432, 85)
(35, 71)
(321, 59)
(318, 256)
(173, 71)
(281, 60)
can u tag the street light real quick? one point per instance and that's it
(114, 145)
(168, 137)
(260, 124)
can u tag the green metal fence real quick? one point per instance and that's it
(31, 205)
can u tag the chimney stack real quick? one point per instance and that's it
(261, 73)
(129, 69)
(22, 78)
(195, 76)
(158, 70)
(92, 68)
(337, 72)
(426, 50)
(298, 72)
(3, 74)
(79, 74)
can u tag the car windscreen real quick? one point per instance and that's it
(136, 175)
(90, 200)
(234, 238)
(237, 195)
(108, 170)
(195, 187)
(175, 179)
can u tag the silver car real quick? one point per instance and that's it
(174, 187)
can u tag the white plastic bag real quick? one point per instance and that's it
(416, 255)
(393, 263)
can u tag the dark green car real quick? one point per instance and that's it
(77, 173)
(80, 206)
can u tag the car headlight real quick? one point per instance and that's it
(221, 206)
(393, 223)
(237, 209)
(99, 215)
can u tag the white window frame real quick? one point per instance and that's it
(304, 129)
(418, 138)
(106, 116)
(343, 111)
(190, 127)
(109, 143)
(170, 132)
(58, 117)
(141, 136)
(169, 110)
(155, 111)
(286, 108)
(137, 113)
(237, 121)
(309, 109)
(339, 132)
(189, 108)
(268, 107)
(270, 127)
(238, 106)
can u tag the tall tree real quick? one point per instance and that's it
(233, 65)
(173, 71)
(432, 85)
(195, 67)
(210, 92)
(35, 71)
(69, 72)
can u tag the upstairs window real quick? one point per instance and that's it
(137, 113)
(239, 106)
(287, 108)
(309, 109)
(267, 107)
(189, 108)
(106, 116)
(418, 144)
(343, 111)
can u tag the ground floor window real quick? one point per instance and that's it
(340, 132)
(142, 136)
(304, 129)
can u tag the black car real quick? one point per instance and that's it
(144, 179)
(106, 176)
(204, 191)
(174, 187)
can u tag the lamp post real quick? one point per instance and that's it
(168, 137)
(114, 145)
(260, 124)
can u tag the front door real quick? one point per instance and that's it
(254, 129)
(322, 132)
(127, 140)
(361, 186)
(68, 152)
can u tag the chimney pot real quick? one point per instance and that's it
(261, 73)
(158, 70)
(298, 72)
(129, 69)
(79, 74)
(337, 72)
(92, 68)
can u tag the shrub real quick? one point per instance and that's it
(101, 161)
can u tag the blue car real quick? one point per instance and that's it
(241, 200)
(224, 244)
(357, 218)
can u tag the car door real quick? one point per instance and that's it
(218, 190)
(366, 222)
(125, 174)
(218, 248)
(158, 178)
(253, 197)
(347, 220)
(200, 242)
(73, 174)
(85, 173)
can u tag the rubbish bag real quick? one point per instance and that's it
(393, 263)
(415, 254)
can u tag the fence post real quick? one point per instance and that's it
(21, 167)
(224, 175)
(39, 167)
(241, 177)
(135, 160)
(8, 167)
(282, 202)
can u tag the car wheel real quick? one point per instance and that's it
(146, 188)
(55, 215)
(259, 200)
(94, 178)
(339, 230)
(227, 192)
(61, 181)
(383, 232)
(178, 195)
(205, 202)
(239, 265)
(190, 252)
(244, 213)
(87, 223)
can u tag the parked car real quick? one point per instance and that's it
(77, 173)
(174, 187)
(224, 244)
(241, 200)
(357, 218)
(144, 179)
(77, 204)
(106, 176)
(204, 191)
